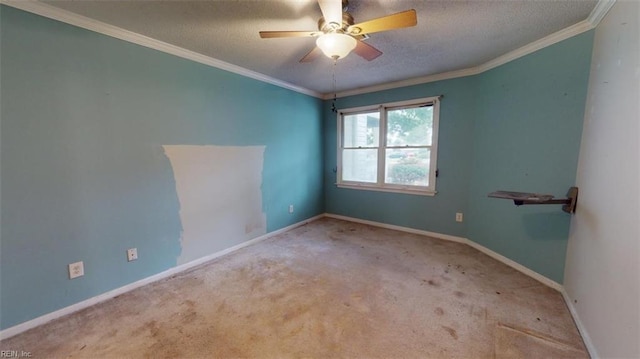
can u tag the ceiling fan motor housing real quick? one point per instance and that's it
(338, 37)
(347, 20)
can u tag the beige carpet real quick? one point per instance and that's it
(513, 343)
(324, 290)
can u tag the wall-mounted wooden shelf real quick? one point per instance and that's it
(521, 198)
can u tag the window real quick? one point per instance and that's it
(390, 147)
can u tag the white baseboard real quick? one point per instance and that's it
(499, 257)
(399, 228)
(22, 327)
(581, 328)
(9, 332)
(517, 266)
(522, 269)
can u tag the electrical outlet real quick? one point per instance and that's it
(132, 254)
(76, 270)
(290, 208)
(459, 217)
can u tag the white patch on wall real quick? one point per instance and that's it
(219, 190)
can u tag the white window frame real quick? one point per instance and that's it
(429, 190)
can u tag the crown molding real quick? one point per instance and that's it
(404, 83)
(84, 22)
(549, 40)
(532, 47)
(598, 12)
(52, 12)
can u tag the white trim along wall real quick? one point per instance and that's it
(49, 11)
(71, 18)
(537, 276)
(9, 332)
(22, 327)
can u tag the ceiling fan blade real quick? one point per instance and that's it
(312, 55)
(398, 20)
(272, 34)
(331, 10)
(366, 51)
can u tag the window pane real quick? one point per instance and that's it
(407, 166)
(360, 165)
(410, 126)
(361, 130)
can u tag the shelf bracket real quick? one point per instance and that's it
(521, 198)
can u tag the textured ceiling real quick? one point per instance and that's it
(450, 35)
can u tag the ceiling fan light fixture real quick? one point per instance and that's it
(336, 45)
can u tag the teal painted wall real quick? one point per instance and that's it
(84, 116)
(527, 139)
(84, 176)
(437, 213)
(516, 127)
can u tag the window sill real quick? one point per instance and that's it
(404, 190)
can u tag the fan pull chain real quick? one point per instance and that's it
(335, 95)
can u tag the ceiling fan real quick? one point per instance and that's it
(337, 35)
